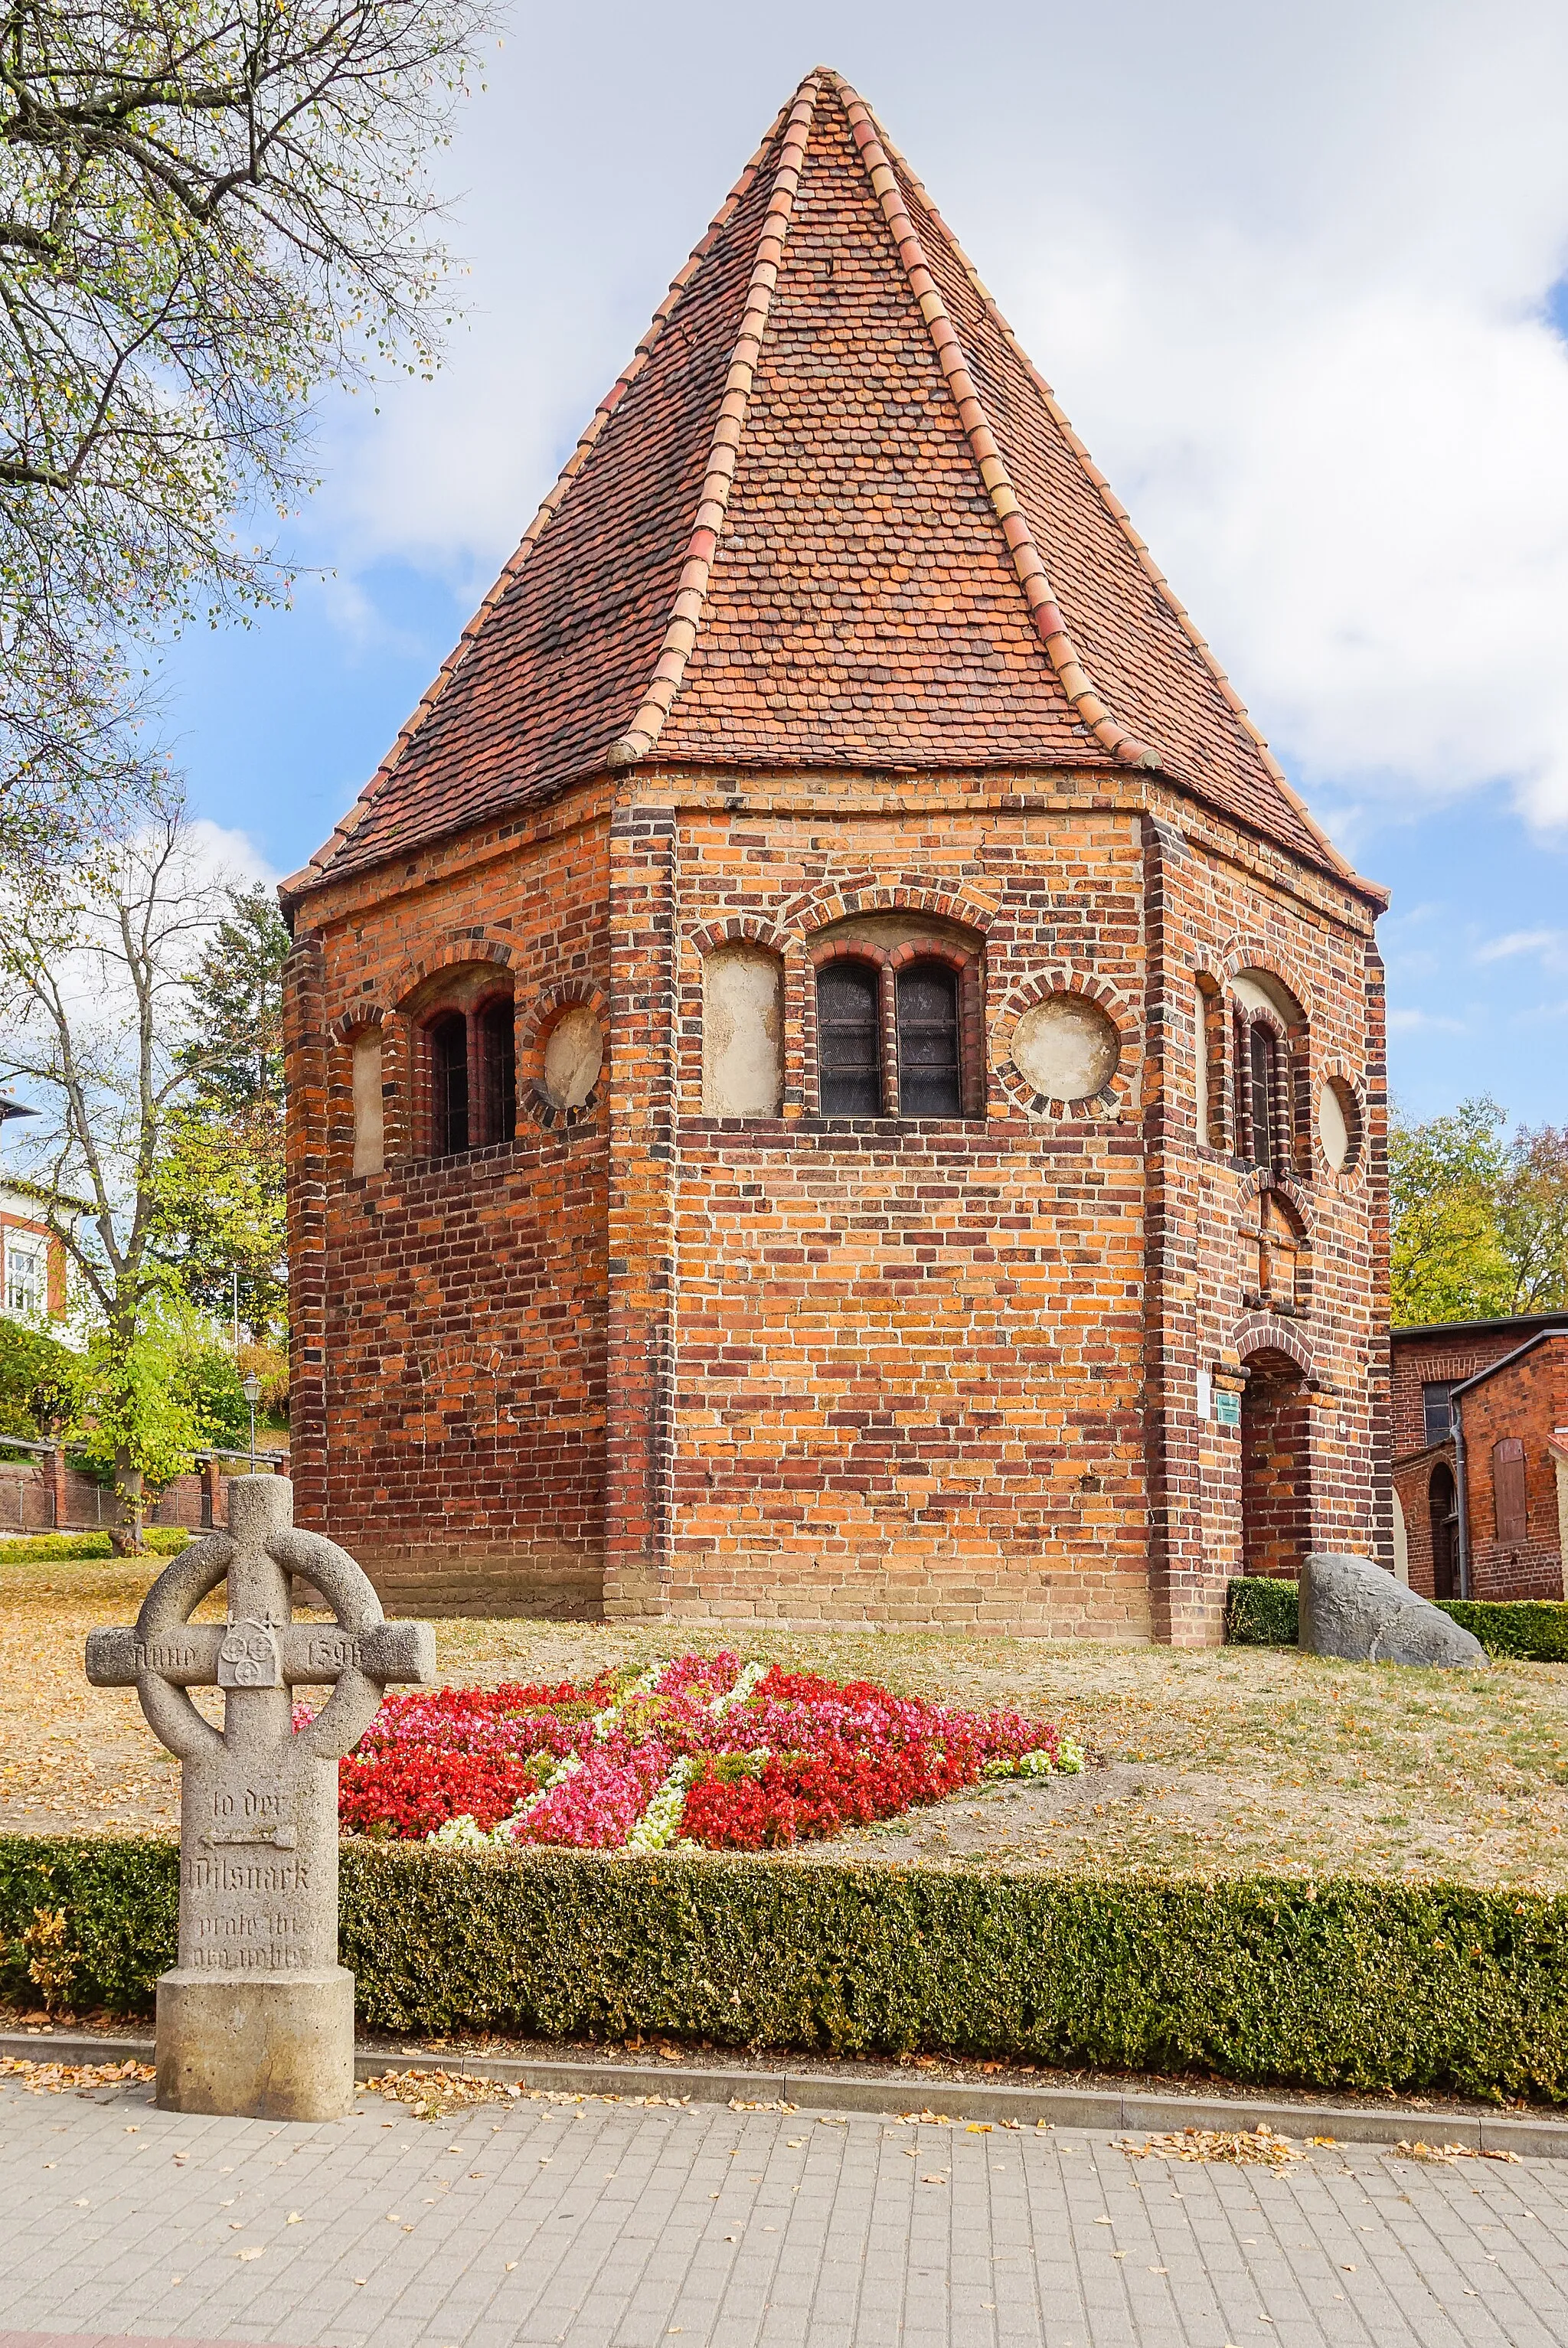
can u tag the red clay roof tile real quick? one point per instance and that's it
(830, 516)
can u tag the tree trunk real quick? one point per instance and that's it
(125, 1539)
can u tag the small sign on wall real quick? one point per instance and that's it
(1227, 1406)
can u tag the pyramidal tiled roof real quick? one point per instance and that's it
(829, 515)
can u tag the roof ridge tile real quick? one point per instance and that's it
(1114, 506)
(355, 815)
(1027, 562)
(685, 617)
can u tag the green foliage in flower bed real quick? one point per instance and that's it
(1337, 1985)
(161, 1540)
(1264, 1613)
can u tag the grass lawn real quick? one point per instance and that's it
(1235, 1759)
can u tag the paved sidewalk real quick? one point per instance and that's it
(605, 2225)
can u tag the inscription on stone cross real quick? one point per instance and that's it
(257, 2016)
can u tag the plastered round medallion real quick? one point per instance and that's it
(1065, 1047)
(1339, 1124)
(574, 1056)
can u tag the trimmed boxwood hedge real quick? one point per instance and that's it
(1337, 1985)
(41, 1549)
(1265, 1613)
(1533, 1629)
(1260, 1613)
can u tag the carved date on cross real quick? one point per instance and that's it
(257, 2016)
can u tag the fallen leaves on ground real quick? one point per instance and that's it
(432, 2094)
(65, 2078)
(1449, 2152)
(1259, 2146)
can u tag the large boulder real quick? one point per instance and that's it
(1352, 1608)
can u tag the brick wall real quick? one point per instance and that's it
(1413, 1481)
(28, 1501)
(1211, 914)
(447, 1389)
(1527, 1401)
(788, 1368)
(1454, 1354)
(949, 1373)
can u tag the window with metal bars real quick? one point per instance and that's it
(449, 1047)
(849, 1040)
(1261, 1090)
(929, 1075)
(497, 1062)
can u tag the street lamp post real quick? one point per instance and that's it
(251, 1387)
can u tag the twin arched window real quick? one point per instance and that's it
(1262, 1124)
(898, 1026)
(853, 1076)
(1258, 1123)
(471, 1071)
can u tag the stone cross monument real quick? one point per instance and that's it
(257, 2017)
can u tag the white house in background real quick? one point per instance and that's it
(33, 1283)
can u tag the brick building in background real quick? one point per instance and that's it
(33, 1277)
(1481, 1457)
(830, 1076)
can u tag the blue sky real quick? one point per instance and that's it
(1300, 277)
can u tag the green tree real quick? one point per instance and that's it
(1479, 1224)
(40, 1382)
(236, 993)
(1447, 1260)
(101, 1031)
(207, 214)
(220, 1205)
(137, 1415)
(1532, 1219)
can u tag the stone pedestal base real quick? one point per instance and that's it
(270, 2046)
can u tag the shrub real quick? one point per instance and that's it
(161, 1540)
(1536, 1629)
(1334, 1985)
(1261, 1613)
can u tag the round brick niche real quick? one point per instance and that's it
(1065, 1047)
(574, 1056)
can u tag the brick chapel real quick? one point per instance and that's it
(831, 1076)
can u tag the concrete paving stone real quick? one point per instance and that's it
(1008, 2252)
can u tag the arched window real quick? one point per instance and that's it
(849, 1040)
(1442, 1503)
(1269, 1069)
(449, 1044)
(498, 1062)
(929, 1080)
(470, 1067)
(1262, 1097)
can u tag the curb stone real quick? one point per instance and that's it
(1073, 2107)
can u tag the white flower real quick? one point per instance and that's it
(461, 1834)
(605, 1723)
(748, 1679)
(660, 1821)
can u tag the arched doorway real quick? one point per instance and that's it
(1275, 1467)
(1442, 1501)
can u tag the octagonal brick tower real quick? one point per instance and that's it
(832, 1077)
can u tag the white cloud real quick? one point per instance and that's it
(217, 854)
(1549, 947)
(1288, 270)
(1424, 1022)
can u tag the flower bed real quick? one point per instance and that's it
(698, 1751)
